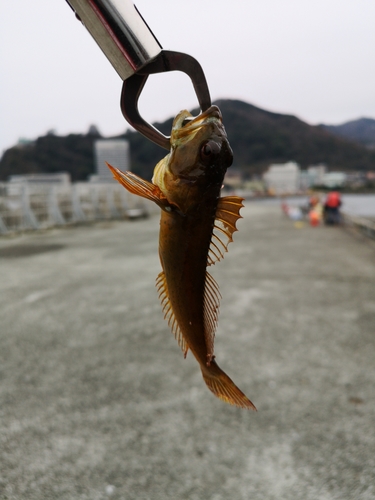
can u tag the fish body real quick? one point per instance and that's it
(195, 228)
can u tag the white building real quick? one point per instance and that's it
(113, 151)
(60, 178)
(283, 178)
(334, 180)
(316, 173)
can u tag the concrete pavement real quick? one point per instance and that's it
(97, 402)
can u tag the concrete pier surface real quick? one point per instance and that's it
(97, 402)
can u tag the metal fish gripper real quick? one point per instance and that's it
(135, 53)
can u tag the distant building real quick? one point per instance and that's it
(305, 180)
(316, 174)
(39, 182)
(113, 151)
(355, 179)
(61, 178)
(283, 178)
(334, 180)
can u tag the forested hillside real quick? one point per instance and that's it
(257, 137)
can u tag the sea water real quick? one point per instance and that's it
(352, 204)
(359, 204)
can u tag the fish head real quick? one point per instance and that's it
(199, 157)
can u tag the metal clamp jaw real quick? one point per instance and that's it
(135, 53)
(132, 88)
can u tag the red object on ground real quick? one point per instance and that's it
(314, 218)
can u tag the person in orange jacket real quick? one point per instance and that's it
(332, 208)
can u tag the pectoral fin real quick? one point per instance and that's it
(227, 215)
(139, 186)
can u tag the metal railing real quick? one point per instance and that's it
(27, 206)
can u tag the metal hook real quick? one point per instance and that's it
(132, 87)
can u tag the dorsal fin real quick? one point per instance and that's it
(211, 313)
(227, 215)
(161, 286)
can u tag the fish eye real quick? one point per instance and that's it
(209, 150)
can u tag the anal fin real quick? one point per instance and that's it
(161, 286)
(227, 215)
(211, 313)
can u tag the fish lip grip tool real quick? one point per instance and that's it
(135, 53)
(132, 88)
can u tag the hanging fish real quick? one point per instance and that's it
(196, 227)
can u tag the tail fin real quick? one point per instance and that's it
(224, 388)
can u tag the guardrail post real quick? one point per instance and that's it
(124, 200)
(53, 206)
(94, 194)
(28, 216)
(111, 203)
(78, 213)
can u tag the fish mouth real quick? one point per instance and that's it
(186, 126)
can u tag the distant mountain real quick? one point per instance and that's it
(361, 131)
(73, 153)
(260, 137)
(257, 137)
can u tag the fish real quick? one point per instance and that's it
(196, 226)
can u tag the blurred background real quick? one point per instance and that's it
(313, 61)
(294, 81)
(96, 400)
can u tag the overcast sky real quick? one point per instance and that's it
(314, 59)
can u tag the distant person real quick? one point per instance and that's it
(332, 208)
(313, 201)
(315, 210)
